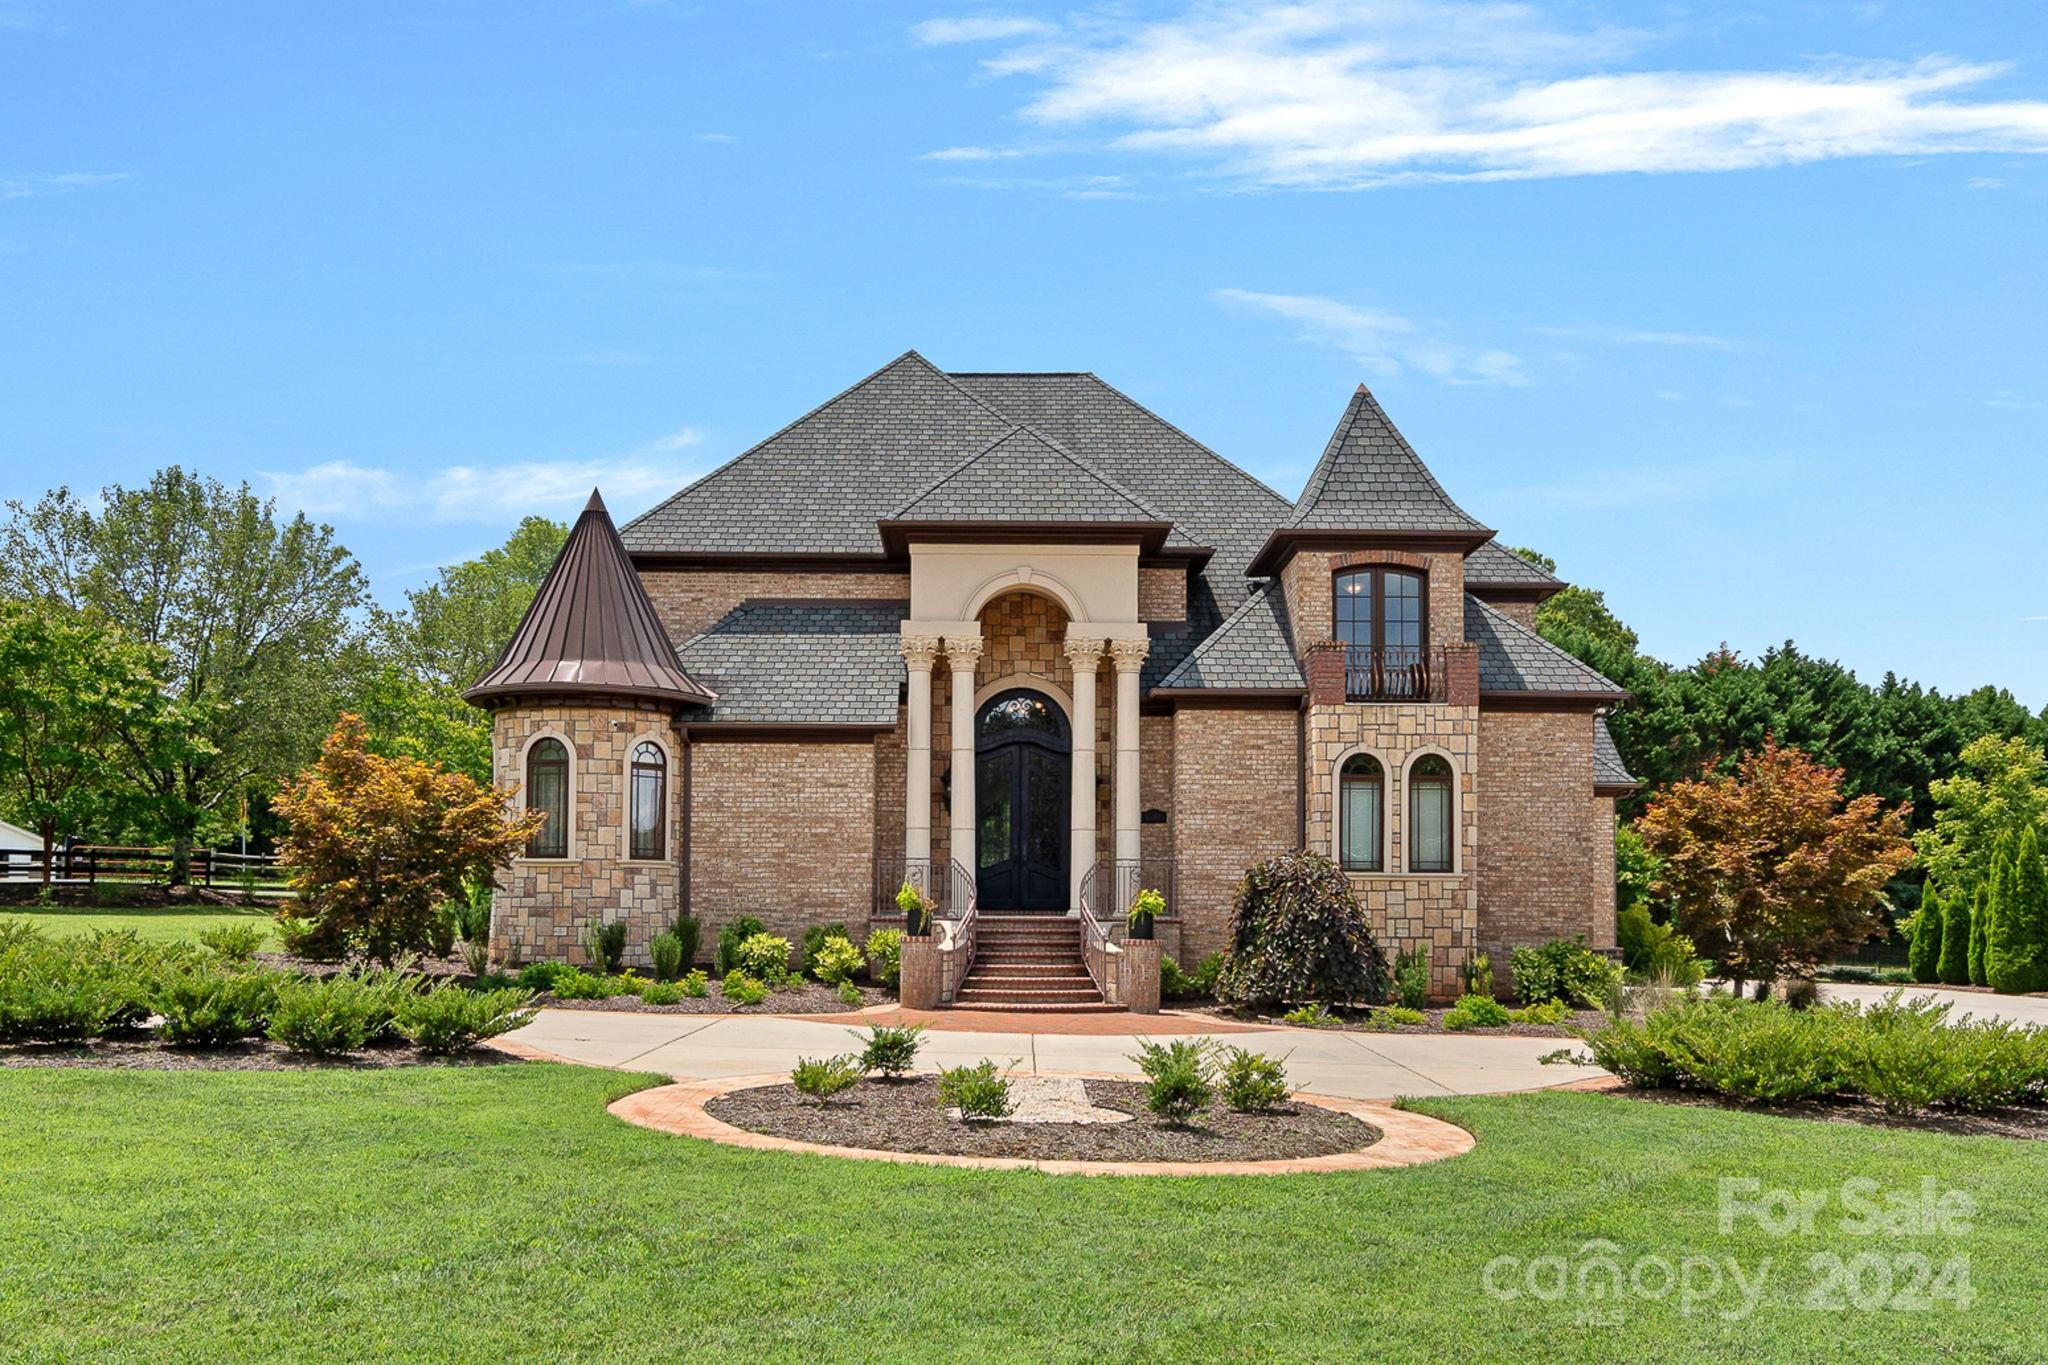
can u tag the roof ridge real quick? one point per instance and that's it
(921, 494)
(1498, 617)
(786, 427)
(1259, 594)
(1050, 443)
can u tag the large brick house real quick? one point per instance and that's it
(1017, 640)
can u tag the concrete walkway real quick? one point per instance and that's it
(1352, 1065)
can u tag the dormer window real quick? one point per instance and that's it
(1378, 618)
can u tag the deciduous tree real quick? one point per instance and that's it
(379, 845)
(1770, 869)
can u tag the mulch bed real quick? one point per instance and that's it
(809, 998)
(1433, 1022)
(144, 1053)
(115, 897)
(905, 1116)
(2023, 1122)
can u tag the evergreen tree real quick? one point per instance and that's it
(1954, 963)
(1981, 914)
(2016, 941)
(1924, 954)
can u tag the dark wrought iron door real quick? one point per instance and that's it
(1022, 775)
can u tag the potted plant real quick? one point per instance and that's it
(917, 911)
(1144, 906)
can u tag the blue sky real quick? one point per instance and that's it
(1740, 312)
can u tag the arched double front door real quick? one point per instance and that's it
(1023, 771)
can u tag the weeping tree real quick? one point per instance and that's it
(248, 613)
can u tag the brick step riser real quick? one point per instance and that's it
(1040, 1009)
(1021, 955)
(979, 982)
(970, 997)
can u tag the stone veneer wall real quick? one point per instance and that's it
(542, 905)
(782, 830)
(1407, 910)
(1162, 594)
(691, 600)
(1525, 612)
(1236, 787)
(1546, 867)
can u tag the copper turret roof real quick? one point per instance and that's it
(591, 630)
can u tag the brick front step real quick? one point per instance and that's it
(1065, 981)
(1027, 957)
(1097, 1007)
(1036, 995)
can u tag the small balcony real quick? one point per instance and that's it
(1393, 673)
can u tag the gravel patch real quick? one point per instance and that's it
(905, 1116)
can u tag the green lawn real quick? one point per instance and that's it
(498, 1213)
(153, 924)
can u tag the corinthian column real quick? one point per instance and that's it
(1086, 657)
(1129, 657)
(962, 653)
(918, 653)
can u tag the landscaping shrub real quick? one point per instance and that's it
(1411, 977)
(662, 993)
(215, 1008)
(1298, 934)
(891, 1050)
(2016, 939)
(885, 956)
(690, 934)
(336, 1015)
(1476, 975)
(1252, 1082)
(1564, 970)
(814, 939)
(667, 951)
(606, 944)
(1393, 1016)
(473, 912)
(742, 989)
(306, 939)
(573, 983)
(1982, 911)
(1953, 966)
(64, 989)
(730, 937)
(1475, 1011)
(232, 942)
(1176, 984)
(823, 1077)
(836, 961)
(696, 984)
(1177, 1077)
(765, 957)
(1924, 954)
(1310, 1016)
(451, 1019)
(849, 994)
(540, 976)
(1656, 952)
(1548, 1012)
(979, 1092)
(441, 930)
(476, 956)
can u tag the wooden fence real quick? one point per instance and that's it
(92, 864)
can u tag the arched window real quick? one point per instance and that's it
(1430, 818)
(1377, 616)
(547, 790)
(650, 801)
(1361, 803)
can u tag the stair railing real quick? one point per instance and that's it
(1099, 951)
(956, 933)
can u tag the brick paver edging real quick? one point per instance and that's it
(1408, 1139)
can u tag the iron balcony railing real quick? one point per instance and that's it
(1393, 673)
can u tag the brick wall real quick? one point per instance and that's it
(1162, 594)
(542, 906)
(1235, 784)
(690, 600)
(1525, 612)
(1546, 866)
(1407, 910)
(1306, 584)
(781, 830)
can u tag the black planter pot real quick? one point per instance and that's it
(1139, 926)
(916, 924)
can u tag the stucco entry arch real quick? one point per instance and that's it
(1025, 578)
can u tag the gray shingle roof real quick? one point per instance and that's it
(1371, 479)
(1514, 658)
(1494, 565)
(1252, 648)
(802, 663)
(1608, 769)
(1022, 476)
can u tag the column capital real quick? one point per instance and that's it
(963, 651)
(1129, 655)
(1083, 652)
(920, 650)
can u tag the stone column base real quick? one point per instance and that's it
(919, 985)
(1140, 984)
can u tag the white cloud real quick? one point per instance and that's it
(68, 182)
(970, 154)
(342, 490)
(1986, 182)
(1387, 344)
(1668, 395)
(2006, 398)
(978, 29)
(1346, 94)
(1636, 336)
(713, 137)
